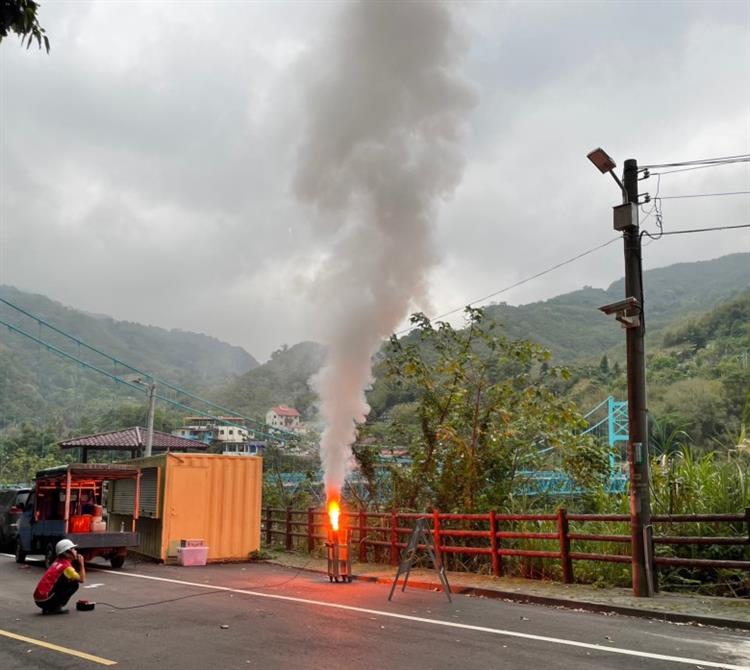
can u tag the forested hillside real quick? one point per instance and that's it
(698, 374)
(282, 380)
(573, 329)
(38, 385)
(36, 382)
(578, 334)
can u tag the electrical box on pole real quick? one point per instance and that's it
(625, 216)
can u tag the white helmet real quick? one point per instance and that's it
(63, 546)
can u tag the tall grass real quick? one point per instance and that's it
(683, 483)
(708, 483)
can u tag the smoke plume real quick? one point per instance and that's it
(386, 108)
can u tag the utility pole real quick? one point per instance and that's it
(151, 409)
(638, 458)
(630, 313)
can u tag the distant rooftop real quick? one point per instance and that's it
(131, 439)
(232, 419)
(283, 410)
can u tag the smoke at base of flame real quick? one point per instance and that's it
(387, 109)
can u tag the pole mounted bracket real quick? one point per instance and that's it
(627, 312)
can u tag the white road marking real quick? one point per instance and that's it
(447, 624)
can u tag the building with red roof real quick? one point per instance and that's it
(283, 416)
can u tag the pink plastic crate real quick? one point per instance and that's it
(189, 556)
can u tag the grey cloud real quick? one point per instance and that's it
(176, 143)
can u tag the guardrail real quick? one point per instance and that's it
(380, 536)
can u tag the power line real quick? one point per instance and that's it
(702, 195)
(703, 230)
(269, 433)
(520, 282)
(696, 167)
(115, 361)
(567, 262)
(740, 158)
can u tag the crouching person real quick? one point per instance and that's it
(61, 579)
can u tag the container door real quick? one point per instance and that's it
(186, 506)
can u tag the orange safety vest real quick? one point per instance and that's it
(60, 569)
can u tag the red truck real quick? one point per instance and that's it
(66, 502)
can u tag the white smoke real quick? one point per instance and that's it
(386, 108)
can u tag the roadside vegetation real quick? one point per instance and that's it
(461, 416)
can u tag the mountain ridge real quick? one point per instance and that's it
(569, 325)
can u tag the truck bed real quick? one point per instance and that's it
(107, 539)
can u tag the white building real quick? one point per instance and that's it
(283, 417)
(213, 429)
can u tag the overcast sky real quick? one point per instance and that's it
(147, 163)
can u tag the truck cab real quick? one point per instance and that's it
(68, 502)
(12, 502)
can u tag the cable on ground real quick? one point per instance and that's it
(165, 601)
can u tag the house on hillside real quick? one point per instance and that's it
(283, 417)
(213, 429)
(228, 432)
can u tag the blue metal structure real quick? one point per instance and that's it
(614, 426)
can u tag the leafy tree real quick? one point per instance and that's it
(19, 16)
(699, 405)
(27, 449)
(276, 463)
(484, 413)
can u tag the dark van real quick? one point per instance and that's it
(12, 502)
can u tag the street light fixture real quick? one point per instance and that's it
(602, 160)
(605, 164)
(629, 312)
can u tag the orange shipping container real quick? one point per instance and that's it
(211, 497)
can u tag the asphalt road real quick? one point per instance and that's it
(264, 616)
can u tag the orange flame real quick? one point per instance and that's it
(334, 511)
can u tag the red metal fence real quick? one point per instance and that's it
(380, 536)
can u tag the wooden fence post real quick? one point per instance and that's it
(288, 538)
(747, 521)
(652, 556)
(310, 530)
(562, 531)
(394, 538)
(497, 568)
(362, 536)
(436, 534)
(269, 527)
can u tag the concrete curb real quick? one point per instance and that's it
(553, 601)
